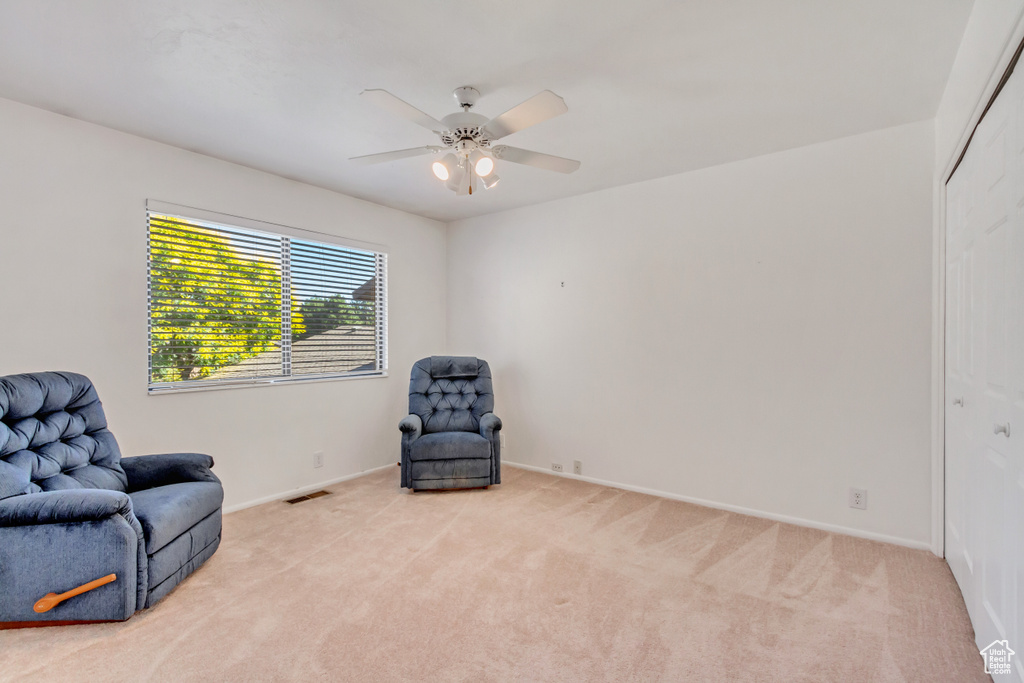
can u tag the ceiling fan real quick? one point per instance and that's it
(467, 137)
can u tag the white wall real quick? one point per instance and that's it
(754, 335)
(73, 258)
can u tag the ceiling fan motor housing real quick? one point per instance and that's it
(464, 132)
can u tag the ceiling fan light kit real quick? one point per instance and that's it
(470, 161)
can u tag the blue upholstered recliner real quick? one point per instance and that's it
(72, 511)
(450, 438)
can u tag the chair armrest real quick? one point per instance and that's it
(489, 423)
(61, 507)
(149, 471)
(411, 425)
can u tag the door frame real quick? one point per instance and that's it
(1000, 71)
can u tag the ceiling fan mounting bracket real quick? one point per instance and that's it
(466, 96)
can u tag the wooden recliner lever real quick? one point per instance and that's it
(51, 600)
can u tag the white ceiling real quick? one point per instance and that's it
(653, 87)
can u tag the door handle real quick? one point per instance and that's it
(959, 401)
(1001, 429)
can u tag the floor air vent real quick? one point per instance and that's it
(308, 496)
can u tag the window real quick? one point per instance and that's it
(234, 301)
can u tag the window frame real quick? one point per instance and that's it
(229, 221)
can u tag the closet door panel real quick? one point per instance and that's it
(984, 388)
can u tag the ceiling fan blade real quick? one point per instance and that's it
(548, 162)
(385, 100)
(392, 156)
(541, 107)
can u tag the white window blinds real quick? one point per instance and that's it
(231, 305)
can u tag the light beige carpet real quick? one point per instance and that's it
(539, 579)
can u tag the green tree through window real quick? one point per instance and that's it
(215, 299)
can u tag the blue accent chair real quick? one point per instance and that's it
(450, 437)
(72, 510)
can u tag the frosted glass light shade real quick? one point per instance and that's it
(482, 164)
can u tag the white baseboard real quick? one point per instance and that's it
(847, 531)
(295, 493)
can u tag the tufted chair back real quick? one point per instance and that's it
(450, 393)
(53, 435)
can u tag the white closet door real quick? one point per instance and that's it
(985, 373)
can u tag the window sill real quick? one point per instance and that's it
(220, 385)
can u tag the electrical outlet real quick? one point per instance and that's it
(577, 467)
(318, 459)
(859, 499)
(556, 466)
(502, 440)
